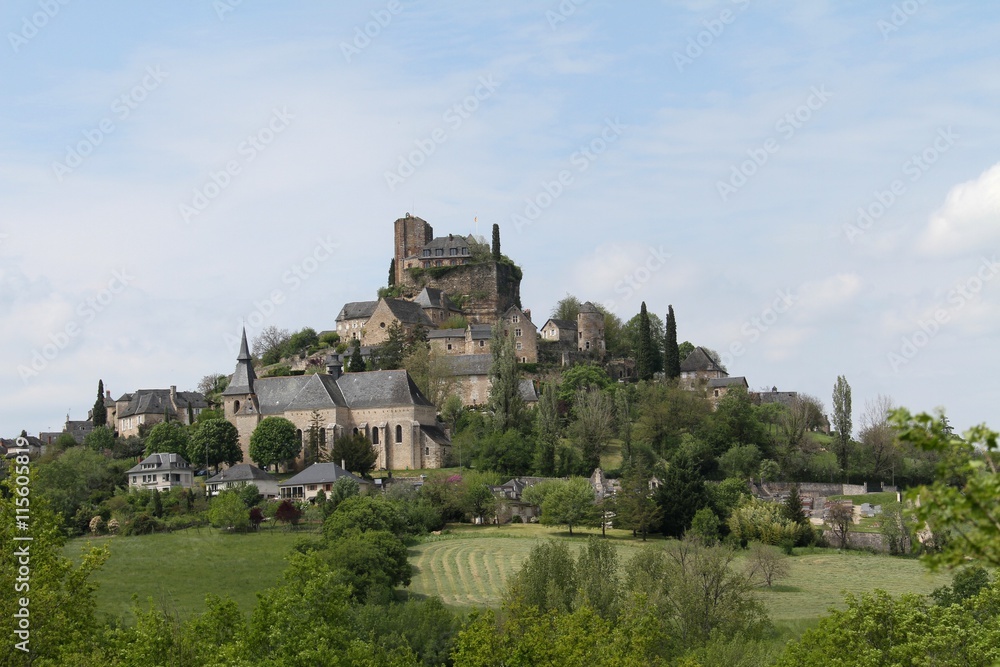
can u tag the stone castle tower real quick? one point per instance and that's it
(411, 235)
(484, 289)
(590, 330)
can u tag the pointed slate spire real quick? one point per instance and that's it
(244, 348)
(244, 376)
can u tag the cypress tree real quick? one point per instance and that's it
(356, 364)
(496, 242)
(644, 350)
(100, 414)
(671, 353)
(392, 272)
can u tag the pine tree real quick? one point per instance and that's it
(496, 242)
(644, 349)
(792, 509)
(356, 364)
(392, 272)
(671, 353)
(315, 450)
(100, 414)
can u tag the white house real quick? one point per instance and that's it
(317, 477)
(241, 475)
(161, 472)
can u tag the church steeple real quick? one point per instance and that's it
(244, 377)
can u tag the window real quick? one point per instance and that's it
(465, 251)
(453, 251)
(716, 393)
(427, 252)
(514, 319)
(518, 346)
(439, 252)
(437, 262)
(427, 450)
(135, 479)
(399, 433)
(586, 345)
(517, 333)
(166, 477)
(524, 360)
(355, 431)
(449, 346)
(312, 487)
(236, 407)
(482, 343)
(375, 435)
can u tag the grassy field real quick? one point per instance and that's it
(466, 567)
(469, 568)
(177, 570)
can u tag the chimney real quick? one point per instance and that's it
(173, 393)
(109, 393)
(334, 367)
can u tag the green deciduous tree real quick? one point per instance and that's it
(592, 425)
(635, 507)
(167, 437)
(274, 441)
(842, 419)
(355, 452)
(570, 503)
(228, 511)
(212, 442)
(567, 308)
(505, 402)
(547, 430)
(101, 439)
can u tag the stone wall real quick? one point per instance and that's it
(818, 489)
(485, 290)
(860, 541)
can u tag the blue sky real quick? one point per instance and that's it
(814, 187)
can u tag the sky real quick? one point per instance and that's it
(814, 187)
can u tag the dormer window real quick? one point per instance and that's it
(439, 252)
(427, 252)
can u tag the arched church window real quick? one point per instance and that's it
(375, 435)
(399, 433)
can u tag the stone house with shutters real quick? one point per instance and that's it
(517, 323)
(353, 317)
(161, 472)
(474, 339)
(148, 406)
(385, 406)
(557, 331)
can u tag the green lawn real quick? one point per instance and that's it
(177, 570)
(469, 568)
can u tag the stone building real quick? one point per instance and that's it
(590, 330)
(385, 406)
(406, 314)
(353, 317)
(148, 406)
(485, 288)
(436, 304)
(519, 325)
(699, 365)
(557, 331)
(474, 339)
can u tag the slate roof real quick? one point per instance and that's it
(727, 382)
(699, 360)
(561, 324)
(588, 307)
(165, 461)
(243, 378)
(431, 297)
(155, 401)
(320, 473)
(447, 242)
(408, 312)
(435, 434)
(527, 390)
(480, 331)
(379, 389)
(446, 333)
(468, 364)
(356, 310)
(784, 397)
(244, 472)
(278, 395)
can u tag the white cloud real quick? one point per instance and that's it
(969, 219)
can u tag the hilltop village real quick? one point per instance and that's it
(451, 292)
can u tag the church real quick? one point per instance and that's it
(385, 406)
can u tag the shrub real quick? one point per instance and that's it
(142, 524)
(287, 512)
(97, 525)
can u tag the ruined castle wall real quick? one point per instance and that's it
(485, 290)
